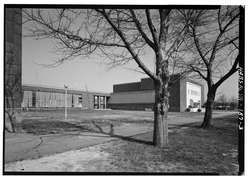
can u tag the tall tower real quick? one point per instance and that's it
(13, 57)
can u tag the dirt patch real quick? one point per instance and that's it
(85, 160)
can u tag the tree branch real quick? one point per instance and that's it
(229, 73)
(222, 31)
(198, 71)
(197, 45)
(139, 27)
(163, 32)
(152, 28)
(128, 47)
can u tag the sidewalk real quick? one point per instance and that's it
(25, 146)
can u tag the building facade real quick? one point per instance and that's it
(184, 93)
(47, 97)
(13, 57)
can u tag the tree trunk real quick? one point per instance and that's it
(12, 120)
(160, 136)
(13, 124)
(209, 108)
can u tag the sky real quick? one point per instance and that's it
(86, 74)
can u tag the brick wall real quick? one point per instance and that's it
(174, 96)
(13, 57)
(127, 87)
(127, 97)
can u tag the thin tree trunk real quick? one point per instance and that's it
(13, 125)
(11, 116)
(209, 109)
(160, 136)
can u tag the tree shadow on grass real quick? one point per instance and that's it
(126, 138)
(44, 127)
(217, 122)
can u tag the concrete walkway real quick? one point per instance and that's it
(26, 146)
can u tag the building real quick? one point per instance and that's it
(13, 57)
(132, 96)
(184, 93)
(47, 97)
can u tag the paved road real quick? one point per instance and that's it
(27, 146)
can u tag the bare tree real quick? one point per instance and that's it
(120, 35)
(213, 37)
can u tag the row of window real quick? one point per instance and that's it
(51, 99)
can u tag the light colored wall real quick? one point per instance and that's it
(133, 97)
(193, 91)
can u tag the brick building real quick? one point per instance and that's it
(48, 97)
(13, 57)
(140, 95)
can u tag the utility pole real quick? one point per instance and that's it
(65, 101)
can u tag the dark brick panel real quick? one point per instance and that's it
(126, 87)
(147, 84)
(174, 96)
(138, 106)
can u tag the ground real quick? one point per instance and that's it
(124, 144)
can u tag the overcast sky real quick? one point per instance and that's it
(85, 73)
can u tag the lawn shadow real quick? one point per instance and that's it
(217, 122)
(126, 138)
(44, 127)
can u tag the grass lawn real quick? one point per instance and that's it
(190, 150)
(53, 121)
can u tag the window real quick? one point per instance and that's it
(72, 100)
(33, 99)
(102, 103)
(96, 102)
(80, 99)
(101, 100)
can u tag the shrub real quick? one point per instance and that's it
(187, 110)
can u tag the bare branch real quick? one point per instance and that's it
(222, 31)
(152, 28)
(139, 27)
(197, 45)
(128, 47)
(229, 73)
